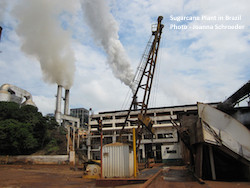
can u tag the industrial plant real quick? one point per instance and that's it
(211, 139)
(204, 135)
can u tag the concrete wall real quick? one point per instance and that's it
(171, 152)
(35, 159)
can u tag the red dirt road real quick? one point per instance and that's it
(42, 176)
(22, 176)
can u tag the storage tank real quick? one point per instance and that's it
(115, 160)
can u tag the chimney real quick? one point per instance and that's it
(58, 104)
(66, 102)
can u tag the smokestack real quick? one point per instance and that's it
(58, 104)
(66, 102)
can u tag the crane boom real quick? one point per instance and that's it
(145, 83)
(0, 32)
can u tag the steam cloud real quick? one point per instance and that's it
(105, 31)
(44, 38)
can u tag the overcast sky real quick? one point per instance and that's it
(199, 60)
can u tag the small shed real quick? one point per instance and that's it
(115, 160)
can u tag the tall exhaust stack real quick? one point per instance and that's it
(58, 104)
(66, 102)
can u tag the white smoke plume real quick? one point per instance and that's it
(105, 31)
(43, 37)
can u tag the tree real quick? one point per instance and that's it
(9, 110)
(16, 138)
(23, 130)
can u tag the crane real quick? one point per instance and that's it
(144, 85)
(0, 32)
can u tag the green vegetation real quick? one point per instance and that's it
(24, 130)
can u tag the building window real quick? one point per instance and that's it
(123, 139)
(171, 151)
(107, 118)
(162, 113)
(119, 124)
(149, 136)
(106, 125)
(165, 136)
(164, 122)
(120, 117)
(107, 132)
(107, 140)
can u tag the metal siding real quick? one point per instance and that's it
(131, 163)
(115, 160)
(232, 133)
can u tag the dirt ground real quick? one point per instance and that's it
(21, 176)
(42, 176)
(30, 176)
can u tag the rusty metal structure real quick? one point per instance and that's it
(240, 95)
(145, 81)
(1, 32)
(217, 139)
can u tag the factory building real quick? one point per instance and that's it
(165, 145)
(82, 114)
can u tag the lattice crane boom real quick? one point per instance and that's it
(145, 82)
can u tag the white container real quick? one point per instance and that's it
(115, 160)
(131, 163)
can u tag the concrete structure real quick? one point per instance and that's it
(71, 123)
(11, 93)
(35, 159)
(165, 138)
(58, 104)
(66, 102)
(82, 114)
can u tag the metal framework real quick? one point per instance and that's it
(145, 81)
